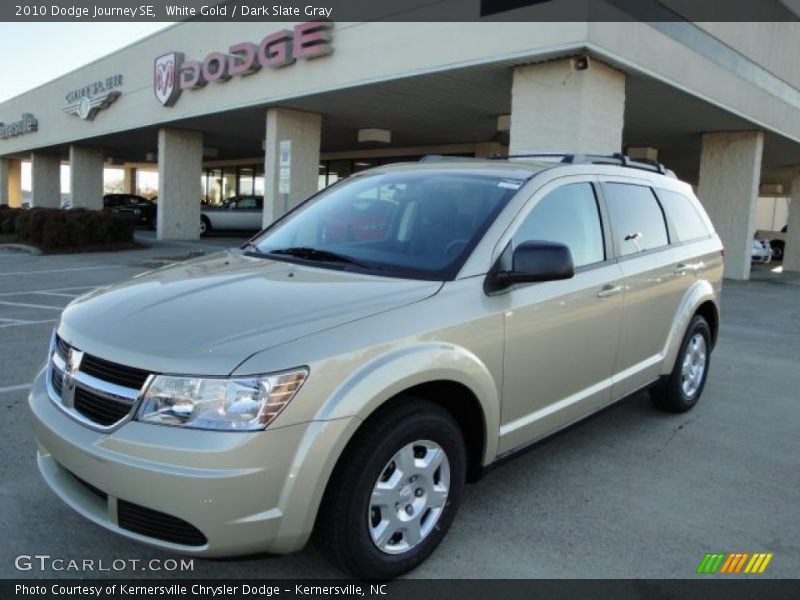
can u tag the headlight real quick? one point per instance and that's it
(236, 403)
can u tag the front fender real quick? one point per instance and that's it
(389, 374)
(701, 291)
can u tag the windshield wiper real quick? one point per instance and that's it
(251, 247)
(314, 254)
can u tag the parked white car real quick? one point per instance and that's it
(777, 241)
(762, 252)
(240, 213)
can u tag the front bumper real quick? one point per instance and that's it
(243, 492)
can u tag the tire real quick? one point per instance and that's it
(352, 513)
(684, 386)
(205, 225)
(152, 224)
(777, 250)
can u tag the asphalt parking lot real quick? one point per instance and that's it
(632, 493)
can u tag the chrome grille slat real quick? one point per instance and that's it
(113, 373)
(92, 399)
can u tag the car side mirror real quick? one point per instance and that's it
(535, 261)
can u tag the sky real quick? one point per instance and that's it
(35, 53)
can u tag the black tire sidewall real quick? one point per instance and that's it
(697, 325)
(361, 557)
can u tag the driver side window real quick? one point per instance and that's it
(568, 215)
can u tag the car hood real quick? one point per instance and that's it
(207, 315)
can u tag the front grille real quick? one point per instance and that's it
(56, 381)
(101, 410)
(155, 524)
(114, 373)
(62, 347)
(99, 399)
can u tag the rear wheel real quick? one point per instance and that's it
(681, 391)
(395, 492)
(205, 225)
(777, 249)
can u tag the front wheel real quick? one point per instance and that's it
(205, 225)
(777, 250)
(682, 389)
(395, 491)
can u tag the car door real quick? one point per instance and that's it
(657, 277)
(560, 336)
(245, 214)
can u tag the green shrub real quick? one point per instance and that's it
(8, 223)
(54, 233)
(21, 225)
(55, 229)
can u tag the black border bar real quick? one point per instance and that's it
(231, 11)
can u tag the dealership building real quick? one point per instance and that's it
(285, 108)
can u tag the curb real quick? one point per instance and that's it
(20, 249)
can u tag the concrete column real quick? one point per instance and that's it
(5, 172)
(791, 252)
(555, 107)
(180, 163)
(129, 180)
(486, 149)
(303, 131)
(45, 180)
(730, 171)
(86, 177)
(14, 183)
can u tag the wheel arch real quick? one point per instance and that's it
(447, 375)
(699, 299)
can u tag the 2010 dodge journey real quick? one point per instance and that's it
(346, 371)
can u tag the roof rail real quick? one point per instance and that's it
(593, 159)
(442, 157)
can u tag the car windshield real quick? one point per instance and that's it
(420, 225)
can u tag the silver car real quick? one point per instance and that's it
(349, 369)
(239, 213)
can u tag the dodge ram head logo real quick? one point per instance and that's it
(306, 41)
(165, 78)
(68, 382)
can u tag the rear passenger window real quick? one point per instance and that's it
(567, 215)
(689, 225)
(636, 218)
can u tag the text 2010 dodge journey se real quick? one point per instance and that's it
(352, 366)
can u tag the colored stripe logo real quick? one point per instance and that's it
(734, 562)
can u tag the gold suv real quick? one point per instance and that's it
(351, 367)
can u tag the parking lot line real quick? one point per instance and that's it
(60, 294)
(51, 291)
(14, 388)
(61, 270)
(24, 323)
(26, 305)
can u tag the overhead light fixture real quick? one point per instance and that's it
(503, 122)
(643, 153)
(151, 157)
(580, 63)
(383, 136)
(771, 189)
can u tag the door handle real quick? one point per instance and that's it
(610, 290)
(682, 268)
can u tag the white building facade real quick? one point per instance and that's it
(281, 109)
